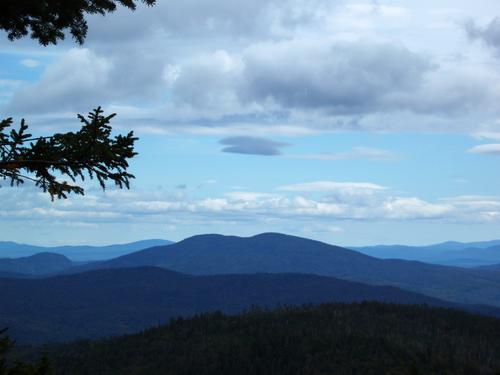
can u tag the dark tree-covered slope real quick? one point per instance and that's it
(117, 301)
(368, 338)
(278, 253)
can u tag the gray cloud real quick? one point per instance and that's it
(337, 78)
(83, 79)
(282, 67)
(333, 85)
(252, 146)
(340, 78)
(192, 19)
(490, 34)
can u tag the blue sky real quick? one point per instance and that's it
(350, 122)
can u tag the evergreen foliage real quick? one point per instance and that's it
(43, 367)
(91, 151)
(47, 20)
(365, 338)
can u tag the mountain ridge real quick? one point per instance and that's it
(9, 249)
(448, 253)
(277, 253)
(37, 264)
(117, 301)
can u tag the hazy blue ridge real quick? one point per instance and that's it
(118, 301)
(77, 253)
(448, 253)
(278, 253)
(38, 264)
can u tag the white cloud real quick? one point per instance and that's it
(82, 79)
(248, 196)
(294, 206)
(334, 229)
(491, 148)
(207, 82)
(333, 186)
(75, 81)
(313, 229)
(30, 63)
(287, 67)
(474, 208)
(488, 135)
(376, 9)
(414, 208)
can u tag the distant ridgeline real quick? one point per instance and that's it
(366, 338)
(471, 254)
(212, 272)
(77, 253)
(279, 253)
(113, 302)
(207, 273)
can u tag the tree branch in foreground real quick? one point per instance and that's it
(89, 152)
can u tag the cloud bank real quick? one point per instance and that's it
(489, 34)
(325, 200)
(287, 67)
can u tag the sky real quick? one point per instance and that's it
(350, 122)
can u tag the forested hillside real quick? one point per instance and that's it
(366, 338)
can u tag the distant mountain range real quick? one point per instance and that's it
(451, 253)
(34, 265)
(278, 253)
(454, 245)
(77, 253)
(215, 272)
(112, 302)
